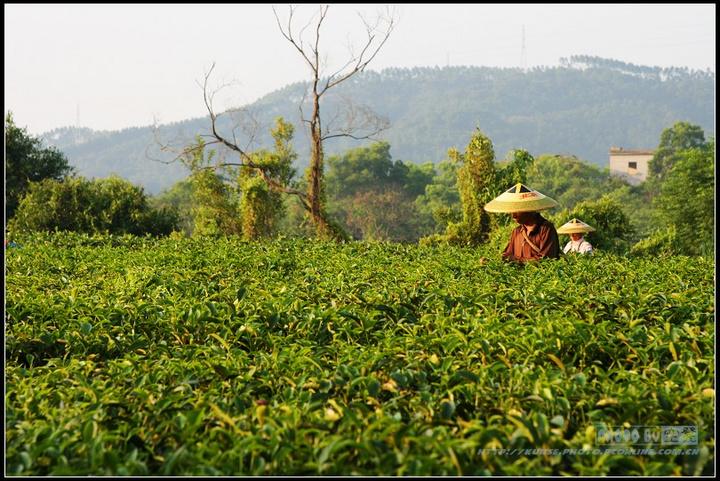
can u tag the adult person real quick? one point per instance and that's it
(576, 229)
(535, 237)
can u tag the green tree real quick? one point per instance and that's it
(643, 216)
(373, 195)
(215, 204)
(363, 168)
(686, 198)
(662, 242)
(681, 136)
(514, 170)
(261, 208)
(440, 203)
(613, 230)
(111, 205)
(27, 161)
(240, 198)
(178, 198)
(380, 215)
(476, 179)
(569, 180)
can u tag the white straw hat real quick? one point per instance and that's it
(575, 226)
(520, 198)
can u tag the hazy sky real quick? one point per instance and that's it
(116, 66)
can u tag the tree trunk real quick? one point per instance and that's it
(315, 182)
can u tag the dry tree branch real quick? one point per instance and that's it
(246, 158)
(361, 62)
(289, 37)
(357, 118)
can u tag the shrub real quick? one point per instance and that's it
(111, 205)
(613, 230)
(663, 242)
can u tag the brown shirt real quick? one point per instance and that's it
(543, 235)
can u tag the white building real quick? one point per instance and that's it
(632, 165)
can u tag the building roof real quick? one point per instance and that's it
(622, 151)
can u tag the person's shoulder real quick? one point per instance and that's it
(547, 225)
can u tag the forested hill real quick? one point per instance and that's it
(581, 108)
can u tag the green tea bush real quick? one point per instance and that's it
(141, 356)
(659, 244)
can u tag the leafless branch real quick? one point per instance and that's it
(244, 118)
(251, 126)
(177, 147)
(354, 118)
(208, 98)
(361, 61)
(316, 49)
(289, 36)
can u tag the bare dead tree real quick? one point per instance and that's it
(249, 125)
(353, 119)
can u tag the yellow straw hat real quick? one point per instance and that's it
(520, 198)
(575, 226)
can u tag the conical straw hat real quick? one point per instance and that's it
(520, 198)
(575, 226)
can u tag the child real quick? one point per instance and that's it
(576, 228)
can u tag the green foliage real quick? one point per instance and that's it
(476, 186)
(362, 169)
(379, 215)
(375, 196)
(475, 183)
(686, 199)
(681, 136)
(177, 198)
(253, 205)
(637, 205)
(26, 160)
(215, 204)
(514, 170)
(260, 206)
(110, 205)
(569, 180)
(613, 231)
(129, 356)
(441, 200)
(661, 243)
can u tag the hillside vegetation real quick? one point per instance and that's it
(581, 108)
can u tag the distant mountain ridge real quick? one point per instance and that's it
(581, 108)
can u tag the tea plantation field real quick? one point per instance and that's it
(134, 356)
